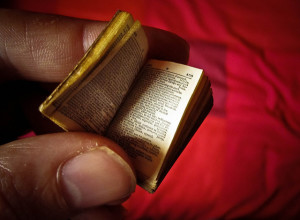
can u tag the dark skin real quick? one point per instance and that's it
(58, 175)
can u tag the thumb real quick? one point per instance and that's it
(56, 175)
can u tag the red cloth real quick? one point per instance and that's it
(244, 161)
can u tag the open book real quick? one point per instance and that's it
(151, 108)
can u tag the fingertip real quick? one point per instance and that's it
(66, 172)
(91, 31)
(166, 45)
(96, 177)
(43, 47)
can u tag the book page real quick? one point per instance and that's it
(92, 105)
(105, 42)
(146, 123)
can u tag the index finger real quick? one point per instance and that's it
(46, 47)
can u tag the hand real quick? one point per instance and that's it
(66, 174)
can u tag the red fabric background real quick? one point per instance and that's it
(244, 161)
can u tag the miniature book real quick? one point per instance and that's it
(151, 108)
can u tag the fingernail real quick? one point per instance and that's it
(96, 177)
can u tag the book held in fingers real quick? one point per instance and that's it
(151, 108)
